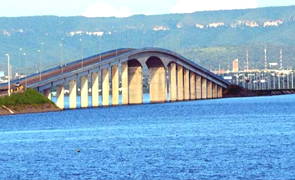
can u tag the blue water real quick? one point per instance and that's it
(242, 138)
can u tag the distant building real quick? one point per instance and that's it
(220, 71)
(273, 65)
(235, 65)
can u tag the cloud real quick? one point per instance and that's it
(188, 6)
(103, 9)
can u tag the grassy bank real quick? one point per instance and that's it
(26, 102)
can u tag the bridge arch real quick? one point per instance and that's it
(135, 82)
(157, 79)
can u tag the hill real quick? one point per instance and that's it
(211, 38)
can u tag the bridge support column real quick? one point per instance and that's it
(209, 89)
(215, 91)
(84, 91)
(180, 91)
(47, 93)
(60, 95)
(124, 77)
(94, 89)
(173, 82)
(157, 84)
(186, 83)
(192, 86)
(105, 87)
(204, 88)
(115, 85)
(73, 94)
(135, 82)
(198, 87)
(220, 92)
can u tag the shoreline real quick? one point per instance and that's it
(27, 109)
(236, 91)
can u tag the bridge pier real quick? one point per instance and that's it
(47, 93)
(180, 92)
(124, 79)
(209, 90)
(204, 88)
(220, 92)
(157, 80)
(94, 89)
(115, 85)
(135, 84)
(73, 94)
(60, 95)
(198, 87)
(84, 92)
(105, 87)
(186, 84)
(192, 86)
(158, 85)
(215, 91)
(173, 82)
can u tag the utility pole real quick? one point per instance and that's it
(288, 81)
(39, 51)
(247, 61)
(281, 59)
(82, 56)
(269, 81)
(8, 72)
(279, 81)
(265, 59)
(61, 56)
(274, 81)
(40, 59)
(26, 73)
(292, 80)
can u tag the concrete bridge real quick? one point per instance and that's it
(122, 73)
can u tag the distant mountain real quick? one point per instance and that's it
(211, 38)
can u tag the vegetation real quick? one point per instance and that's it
(29, 97)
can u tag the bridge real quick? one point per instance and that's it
(122, 73)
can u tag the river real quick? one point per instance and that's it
(239, 138)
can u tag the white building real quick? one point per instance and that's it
(2, 74)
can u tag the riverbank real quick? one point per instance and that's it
(29, 101)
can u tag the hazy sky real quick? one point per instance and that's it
(122, 8)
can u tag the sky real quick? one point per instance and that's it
(124, 8)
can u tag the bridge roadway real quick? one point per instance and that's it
(171, 77)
